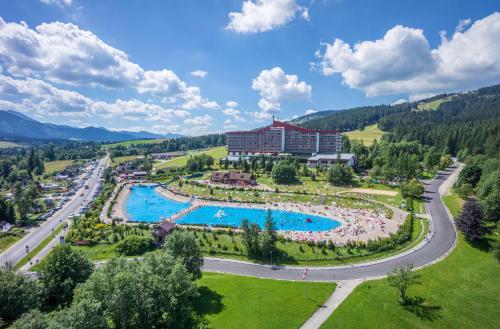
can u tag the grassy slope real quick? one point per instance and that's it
(462, 291)
(367, 135)
(433, 105)
(53, 166)
(4, 144)
(231, 301)
(215, 152)
(119, 160)
(135, 142)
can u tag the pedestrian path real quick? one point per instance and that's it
(343, 289)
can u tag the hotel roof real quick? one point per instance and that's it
(283, 125)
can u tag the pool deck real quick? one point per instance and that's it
(356, 224)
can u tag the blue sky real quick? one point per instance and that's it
(195, 67)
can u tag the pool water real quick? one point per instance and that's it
(144, 204)
(233, 216)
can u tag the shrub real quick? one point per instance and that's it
(134, 245)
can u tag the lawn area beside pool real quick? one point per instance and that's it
(239, 302)
(462, 291)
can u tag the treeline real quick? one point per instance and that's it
(356, 118)
(55, 151)
(467, 124)
(171, 145)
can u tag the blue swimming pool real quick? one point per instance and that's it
(232, 216)
(144, 204)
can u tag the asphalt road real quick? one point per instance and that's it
(18, 250)
(442, 239)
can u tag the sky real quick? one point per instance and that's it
(196, 67)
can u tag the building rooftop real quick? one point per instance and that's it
(282, 125)
(321, 156)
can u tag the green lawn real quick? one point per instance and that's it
(462, 291)
(119, 160)
(135, 142)
(239, 302)
(215, 152)
(7, 241)
(99, 251)
(366, 135)
(454, 203)
(4, 144)
(54, 166)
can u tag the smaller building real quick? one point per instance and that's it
(161, 231)
(326, 160)
(233, 178)
(4, 226)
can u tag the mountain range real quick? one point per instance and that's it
(17, 126)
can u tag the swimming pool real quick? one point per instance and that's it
(233, 216)
(144, 204)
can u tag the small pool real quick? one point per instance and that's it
(233, 216)
(144, 204)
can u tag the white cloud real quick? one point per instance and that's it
(60, 3)
(199, 73)
(399, 101)
(403, 62)
(274, 86)
(310, 111)
(260, 116)
(231, 104)
(264, 15)
(64, 53)
(462, 24)
(42, 100)
(234, 113)
(202, 120)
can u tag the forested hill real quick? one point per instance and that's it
(452, 122)
(469, 122)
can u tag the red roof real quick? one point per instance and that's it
(284, 125)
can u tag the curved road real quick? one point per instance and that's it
(441, 241)
(17, 251)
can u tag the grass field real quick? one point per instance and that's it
(119, 160)
(366, 135)
(135, 142)
(7, 241)
(462, 291)
(54, 166)
(215, 152)
(433, 105)
(4, 144)
(239, 302)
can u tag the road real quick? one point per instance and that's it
(441, 241)
(18, 250)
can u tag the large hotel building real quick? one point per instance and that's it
(281, 137)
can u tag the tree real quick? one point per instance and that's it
(34, 319)
(412, 189)
(250, 237)
(269, 236)
(62, 271)
(18, 294)
(489, 195)
(339, 174)
(401, 278)
(431, 159)
(134, 245)
(155, 293)
(284, 172)
(185, 247)
(471, 221)
(471, 174)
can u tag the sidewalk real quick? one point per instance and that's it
(343, 289)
